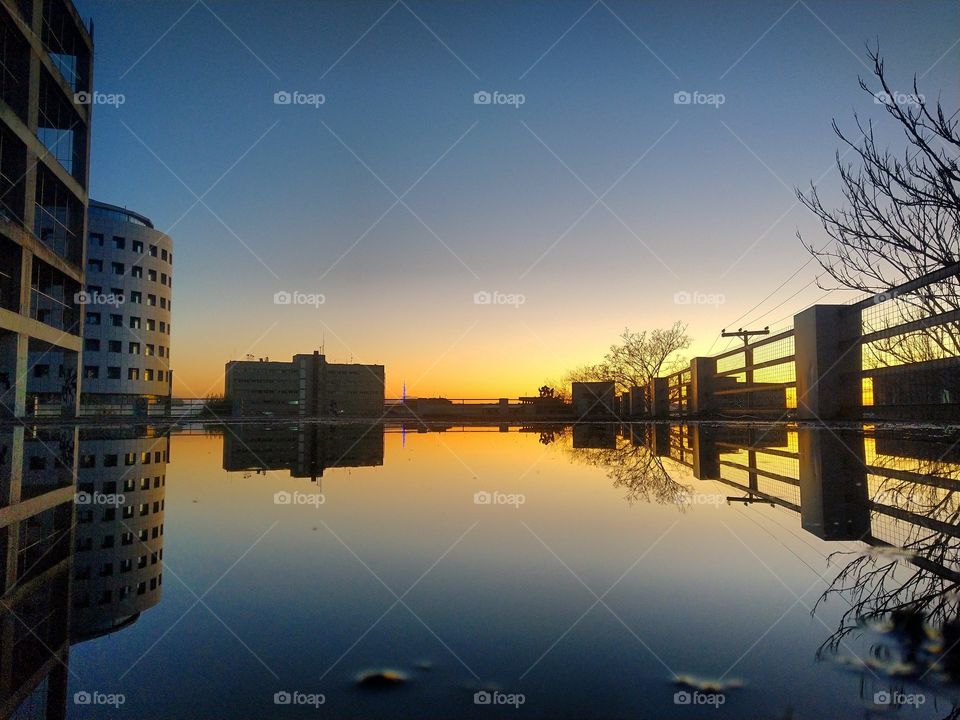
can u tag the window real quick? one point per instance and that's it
(127, 512)
(160, 375)
(114, 346)
(94, 265)
(113, 373)
(109, 515)
(119, 243)
(152, 275)
(110, 460)
(134, 322)
(163, 254)
(163, 326)
(129, 485)
(163, 278)
(151, 324)
(162, 350)
(92, 318)
(148, 374)
(41, 370)
(148, 349)
(91, 345)
(134, 348)
(145, 459)
(133, 373)
(107, 543)
(153, 251)
(96, 239)
(152, 300)
(88, 461)
(163, 303)
(130, 459)
(94, 289)
(91, 372)
(136, 271)
(116, 320)
(118, 268)
(136, 296)
(136, 246)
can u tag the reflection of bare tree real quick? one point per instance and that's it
(639, 470)
(905, 596)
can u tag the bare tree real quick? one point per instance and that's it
(901, 215)
(638, 358)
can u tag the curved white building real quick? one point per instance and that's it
(128, 299)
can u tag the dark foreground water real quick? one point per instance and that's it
(590, 572)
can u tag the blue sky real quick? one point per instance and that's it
(504, 198)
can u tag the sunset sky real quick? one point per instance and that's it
(590, 206)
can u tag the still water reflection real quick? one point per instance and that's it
(600, 571)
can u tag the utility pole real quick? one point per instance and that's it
(745, 335)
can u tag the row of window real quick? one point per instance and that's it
(127, 512)
(110, 487)
(82, 600)
(135, 297)
(85, 544)
(116, 346)
(120, 243)
(136, 271)
(114, 372)
(135, 322)
(113, 459)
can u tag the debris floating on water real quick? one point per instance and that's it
(381, 679)
(707, 685)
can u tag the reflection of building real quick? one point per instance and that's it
(126, 335)
(36, 521)
(118, 556)
(307, 386)
(45, 60)
(305, 450)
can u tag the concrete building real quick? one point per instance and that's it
(128, 299)
(307, 386)
(45, 82)
(593, 399)
(118, 539)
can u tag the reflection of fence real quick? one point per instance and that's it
(891, 355)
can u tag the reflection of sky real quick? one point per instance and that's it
(713, 184)
(699, 595)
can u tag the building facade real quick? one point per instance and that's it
(45, 112)
(128, 308)
(307, 386)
